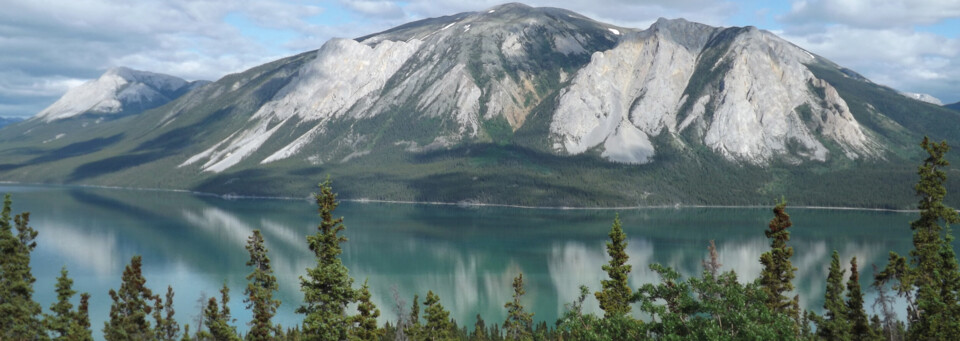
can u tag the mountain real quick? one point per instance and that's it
(923, 97)
(515, 105)
(118, 91)
(954, 106)
(5, 121)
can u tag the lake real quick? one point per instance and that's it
(467, 255)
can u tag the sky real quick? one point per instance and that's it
(46, 46)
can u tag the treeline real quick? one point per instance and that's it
(712, 306)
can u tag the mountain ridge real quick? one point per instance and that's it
(119, 90)
(515, 105)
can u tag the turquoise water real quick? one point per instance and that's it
(467, 255)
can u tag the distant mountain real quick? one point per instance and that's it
(954, 106)
(514, 105)
(923, 97)
(118, 91)
(5, 121)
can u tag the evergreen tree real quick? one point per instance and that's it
(260, 288)
(438, 326)
(834, 325)
(81, 329)
(712, 265)
(777, 274)
(413, 328)
(218, 319)
(615, 297)
(63, 315)
(20, 315)
(479, 330)
(518, 323)
(365, 322)
(167, 327)
(186, 333)
(129, 311)
(857, 317)
(932, 273)
(327, 289)
(65, 323)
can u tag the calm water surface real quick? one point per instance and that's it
(468, 256)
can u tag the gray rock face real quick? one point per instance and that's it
(118, 90)
(767, 105)
(479, 77)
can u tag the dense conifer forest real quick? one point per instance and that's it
(717, 305)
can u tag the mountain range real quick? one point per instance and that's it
(954, 106)
(511, 105)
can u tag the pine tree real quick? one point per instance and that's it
(260, 288)
(777, 275)
(186, 333)
(438, 326)
(932, 274)
(327, 290)
(20, 315)
(857, 317)
(835, 325)
(63, 315)
(413, 329)
(167, 327)
(615, 297)
(218, 319)
(65, 323)
(129, 311)
(517, 326)
(80, 330)
(365, 322)
(712, 265)
(479, 330)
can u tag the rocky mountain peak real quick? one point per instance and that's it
(118, 90)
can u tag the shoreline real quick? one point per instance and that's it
(466, 204)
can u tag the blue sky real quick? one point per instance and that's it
(50, 46)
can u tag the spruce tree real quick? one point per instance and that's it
(20, 315)
(65, 323)
(615, 297)
(327, 288)
(365, 322)
(778, 272)
(63, 316)
(167, 327)
(260, 288)
(479, 330)
(438, 326)
(932, 273)
(517, 326)
(130, 308)
(835, 325)
(80, 330)
(413, 328)
(860, 328)
(218, 319)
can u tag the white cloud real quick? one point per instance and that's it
(46, 41)
(880, 40)
(873, 13)
(378, 8)
(49, 42)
